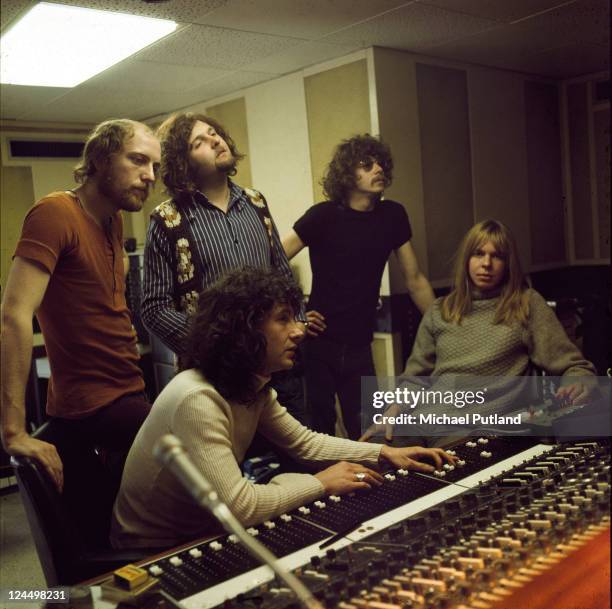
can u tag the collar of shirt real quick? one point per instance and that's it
(237, 197)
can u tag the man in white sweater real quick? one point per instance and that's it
(244, 330)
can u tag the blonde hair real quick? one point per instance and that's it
(513, 305)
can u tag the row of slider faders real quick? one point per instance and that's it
(205, 565)
(468, 552)
(401, 487)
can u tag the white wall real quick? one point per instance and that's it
(280, 156)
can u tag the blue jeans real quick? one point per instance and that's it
(332, 368)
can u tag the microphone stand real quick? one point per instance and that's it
(170, 451)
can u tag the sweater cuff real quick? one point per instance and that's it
(306, 487)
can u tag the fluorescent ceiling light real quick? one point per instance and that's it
(55, 45)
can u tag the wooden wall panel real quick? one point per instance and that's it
(446, 162)
(582, 216)
(337, 107)
(546, 216)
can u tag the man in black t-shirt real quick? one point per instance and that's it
(350, 238)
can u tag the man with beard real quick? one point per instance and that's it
(68, 271)
(350, 238)
(210, 226)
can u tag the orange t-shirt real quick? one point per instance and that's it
(84, 317)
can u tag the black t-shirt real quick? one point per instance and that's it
(348, 253)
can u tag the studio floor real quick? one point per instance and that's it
(19, 564)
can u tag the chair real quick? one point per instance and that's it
(164, 363)
(70, 529)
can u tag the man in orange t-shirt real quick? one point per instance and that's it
(68, 271)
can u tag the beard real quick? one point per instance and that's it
(201, 175)
(127, 199)
(227, 163)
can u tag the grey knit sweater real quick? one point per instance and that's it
(478, 347)
(153, 509)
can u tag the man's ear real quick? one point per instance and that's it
(101, 164)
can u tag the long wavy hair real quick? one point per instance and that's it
(174, 135)
(226, 343)
(105, 139)
(513, 305)
(339, 179)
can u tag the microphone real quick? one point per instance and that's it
(170, 452)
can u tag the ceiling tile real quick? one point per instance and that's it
(509, 46)
(583, 21)
(164, 103)
(245, 42)
(507, 11)
(412, 27)
(153, 76)
(567, 61)
(11, 9)
(199, 45)
(91, 104)
(232, 82)
(301, 56)
(308, 19)
(17, 100)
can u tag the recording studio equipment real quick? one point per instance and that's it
(465, 538)
(169, 451)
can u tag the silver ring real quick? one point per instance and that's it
(360, 476)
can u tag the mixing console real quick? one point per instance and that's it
(459, 539)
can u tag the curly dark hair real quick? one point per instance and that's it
(339, 177)
(225, 342)
(105, 139)
(174, 135)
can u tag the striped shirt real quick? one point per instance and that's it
(223, 242)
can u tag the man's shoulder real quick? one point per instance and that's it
(57, 208)
(60, 201)
(167, 213)
(391, 206)
(324, 214)
(324, 208)
(255, 196)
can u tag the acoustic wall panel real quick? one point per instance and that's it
(337, 107)
(601, 133)
(546, 214)
(498, 142)
(582, 216)
(446, 162)
(232, 115)
(17, 197)
(396, 92)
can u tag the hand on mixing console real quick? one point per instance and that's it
(344, 477)
(386, 428)
(576, 393)
(412, 457)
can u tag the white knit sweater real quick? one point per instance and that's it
(153, 509)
